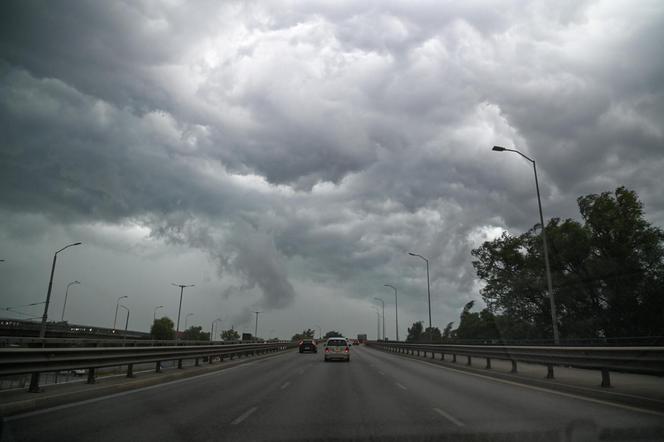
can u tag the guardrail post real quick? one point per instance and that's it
(180, 363)
(606, 378)
(549, 371)
(34, 383)
(513, 367)
(210, 359)
(130, 370)
(196, 364)
(470, 361)
(157, 367)
(488, 363)
(454, 358)
(418, 352)
(433, 355)
(91, 376)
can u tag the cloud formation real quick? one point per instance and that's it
(316, 143)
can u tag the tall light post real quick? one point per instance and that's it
(186, 318)
(154, 316)
(62, 318)
(383, 303)
(126, 322)
(428, 284)
(377, 324)
(396, 307)
(212, 328)
(42, 330)
(177, 328)
(256, 328)
(117, 306)
(552, 301)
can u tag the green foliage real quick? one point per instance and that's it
(306, 334)
(195, 334)
(415, 332)
(432, 334)
(230, 335)
(163, 329)
(332, 334)
(607, 272)
(447, 332)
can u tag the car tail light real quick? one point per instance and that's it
(346, 350)
(327, 350)
(300, 343)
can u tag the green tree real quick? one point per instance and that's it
(607, 273)
(415, 332)
(306, 334)
(195, 333)
(163, 329)
(447, 331)
(230, 335)
(432, 334)
(333, 334)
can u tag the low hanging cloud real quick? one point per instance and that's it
(319, 142)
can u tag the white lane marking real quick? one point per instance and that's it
(449, 417)
(544, 390)
(244, 415)
(381, 373)
(285, 385)
(400, 386)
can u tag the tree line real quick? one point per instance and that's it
(607, 272)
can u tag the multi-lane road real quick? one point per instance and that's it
(377, 396)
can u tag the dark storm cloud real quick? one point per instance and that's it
(322, 141)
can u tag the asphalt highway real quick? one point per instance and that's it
(377, 396)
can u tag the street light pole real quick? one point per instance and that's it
(154, 316)
(382, 302)
(212, 329)
(549, 284)
(177, 328)
(117, 305)
(428, 284)
(34, 378)
(62, 318)
(256, 329)
(126, 322)
(42, 331)
(377, 324)
(396, 307)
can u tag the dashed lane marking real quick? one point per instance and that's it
(400, 386)
(286, 384)
(449, 417)
(244, 415)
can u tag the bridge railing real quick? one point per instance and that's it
(16, 361)
(644, 360)
(13, 341)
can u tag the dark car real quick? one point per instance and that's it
(308, 345)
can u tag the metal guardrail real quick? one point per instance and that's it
(15, 361)
(12, 341)
(643, 360)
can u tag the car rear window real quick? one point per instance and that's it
(337, 343)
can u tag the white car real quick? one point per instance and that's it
(337, 348)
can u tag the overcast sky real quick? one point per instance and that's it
(285, 156)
